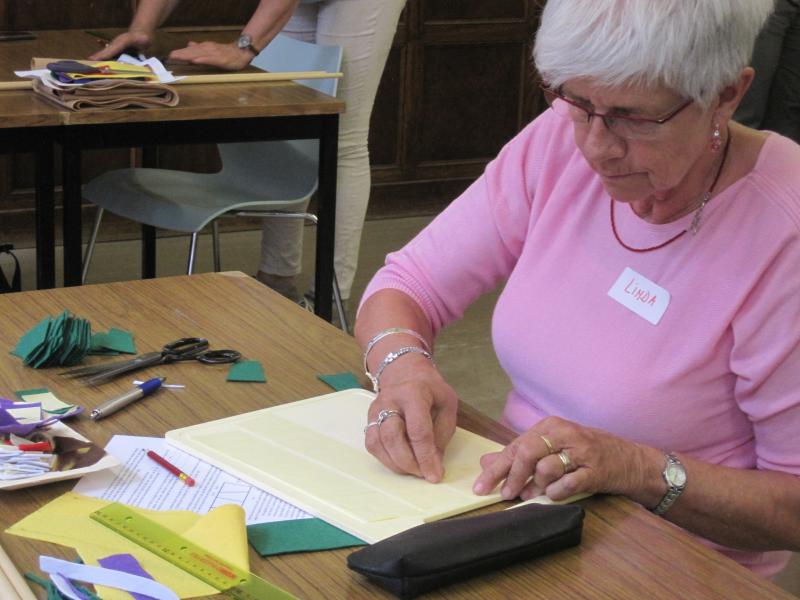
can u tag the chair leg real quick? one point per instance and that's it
(215, 245)
(312, 218)
(337, 299)
(87, 259)
(192, 252)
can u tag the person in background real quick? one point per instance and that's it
(365, 30)
(773, 101)
(650, 317)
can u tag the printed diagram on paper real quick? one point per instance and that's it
(141, 482)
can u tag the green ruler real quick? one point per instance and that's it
(199, 562)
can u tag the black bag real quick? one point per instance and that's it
(16, 278)
(435, 554)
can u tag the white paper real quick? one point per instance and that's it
(140, 481)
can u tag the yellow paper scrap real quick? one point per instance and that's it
(66, 521)
(48, 400)
(24, 415)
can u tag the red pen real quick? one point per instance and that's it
(32, 446)
(171, 468)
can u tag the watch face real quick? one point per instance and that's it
(244, 41)
(676, 475)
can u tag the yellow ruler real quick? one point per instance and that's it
(199, 562)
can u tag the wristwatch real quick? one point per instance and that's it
(675, 476)
(245, 42)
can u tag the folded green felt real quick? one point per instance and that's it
(32, 339)
(341, 381)
(247, 370)
(298, 535)
(62, 340)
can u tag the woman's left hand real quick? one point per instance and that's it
(579, 459)
(224, 56)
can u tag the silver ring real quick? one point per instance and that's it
(568, 466)
(385, 414)
(370, 424)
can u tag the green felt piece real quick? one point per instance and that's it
(341, 381)
(299, 535)
(120, 340)
(247, 370)
(20, 394)
(103, 352)
(32, 339)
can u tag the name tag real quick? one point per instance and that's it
(640, 295)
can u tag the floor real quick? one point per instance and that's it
(463, 351)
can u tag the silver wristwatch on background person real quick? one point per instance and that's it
(675, 476)
(245, 41)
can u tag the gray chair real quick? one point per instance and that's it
(258, 179)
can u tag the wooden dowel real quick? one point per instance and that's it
(213, 78)
(12, 585)
(255, 77)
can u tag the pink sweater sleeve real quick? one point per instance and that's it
(766, 330)
(475, 242)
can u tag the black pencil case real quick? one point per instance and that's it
(435, 554)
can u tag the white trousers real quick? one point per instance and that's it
(365, 30)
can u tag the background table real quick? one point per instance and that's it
(206, 113)
(626, 553)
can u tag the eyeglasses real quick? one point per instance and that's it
(631, 128)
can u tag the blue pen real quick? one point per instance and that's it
(140, 391)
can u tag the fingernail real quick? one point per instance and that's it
(506, 494)
(479, 489)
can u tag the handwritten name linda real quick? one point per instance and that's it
(642, 295)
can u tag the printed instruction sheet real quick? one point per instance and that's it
(140, 481)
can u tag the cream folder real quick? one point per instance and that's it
(311, 453)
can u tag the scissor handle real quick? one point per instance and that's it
(184, 349)
(215, 357)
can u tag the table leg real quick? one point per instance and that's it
(72, 213)
(45, 219)
(149, 160)
(323, 274)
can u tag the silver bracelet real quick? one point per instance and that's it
(390, 358)
(382, 334)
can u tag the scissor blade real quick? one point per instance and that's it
(141, 361)
(96, 369)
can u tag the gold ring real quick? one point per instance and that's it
(568, 467)
(550, 449)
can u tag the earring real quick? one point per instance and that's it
(716, 139)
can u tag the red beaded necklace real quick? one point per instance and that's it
(697, 215)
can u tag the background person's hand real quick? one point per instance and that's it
(224, 56)
(599, 462)
(413, 442)
(139, 40)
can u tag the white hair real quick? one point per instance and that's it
(693, 47)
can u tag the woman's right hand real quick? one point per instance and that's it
(413, 441)
(139, 39)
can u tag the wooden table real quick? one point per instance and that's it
(218, 113)
(626, 553)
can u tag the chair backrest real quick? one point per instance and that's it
(251, 160)
(284, 53)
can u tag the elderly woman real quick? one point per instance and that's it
(650, 319)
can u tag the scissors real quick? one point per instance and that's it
(190, 348)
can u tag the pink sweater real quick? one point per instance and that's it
(718, 377)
